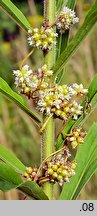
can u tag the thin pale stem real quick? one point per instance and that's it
(60, 43)
(25, 59)
(45, 124)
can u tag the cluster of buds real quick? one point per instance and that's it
(76, 137)
(30, 82)
(66, 18)
(61, 101)
(60, 169)
(42, 38)
(30, 173)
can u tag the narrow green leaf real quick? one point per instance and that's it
(92, 88)
(71, 4)
(92, 96)
(88, 24)
(81, 120)
(15, 13)
(88, 174)
(33, 190)
(91, 168)
(62, 43)
(84, 158)
(9, 179)
(68, 3)
(6, 186)
(7, 91)
(11, 159)
(59, 5)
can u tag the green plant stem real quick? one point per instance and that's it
(49, 59)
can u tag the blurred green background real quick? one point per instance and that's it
(17, 131)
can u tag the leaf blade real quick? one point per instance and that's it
(92, 91)
(71, 4)
(15, 13)
(89, 172)
(84, 158)
(8, 157)
(7, 91)
(6, 186)
(9, 179)
(33, 190)
(89, 22)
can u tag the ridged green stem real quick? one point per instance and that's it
(49, 59)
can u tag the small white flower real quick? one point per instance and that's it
(71, 91)
(36, 30)
(44, 85)
(79, 89)
(72, 138)
(39, 72)
(61, 182)
(61, 96)
(67, 97)
(75, 117)
(15, 72)
(67, 18)
(48, 111)
(72, 109)
(42, 109)
(67, 179)
(25, 67)
(49, 73)
(41, 103)
(57, 103)
(69, 155)
(73, 172)
(30, 31)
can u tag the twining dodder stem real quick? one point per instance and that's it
(49, 59)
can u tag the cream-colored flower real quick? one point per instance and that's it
(42, 38)
(67, 18)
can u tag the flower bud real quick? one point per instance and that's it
(29, 170)
(55, 175)
(50, 171)
(64, 173)
(60, 177)
(54, 167)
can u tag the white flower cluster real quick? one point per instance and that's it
(67, 18)
(42, 38)
(62, 101)
(29, 81)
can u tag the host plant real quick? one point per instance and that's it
(70, 159)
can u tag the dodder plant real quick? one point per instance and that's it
(71, 104)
